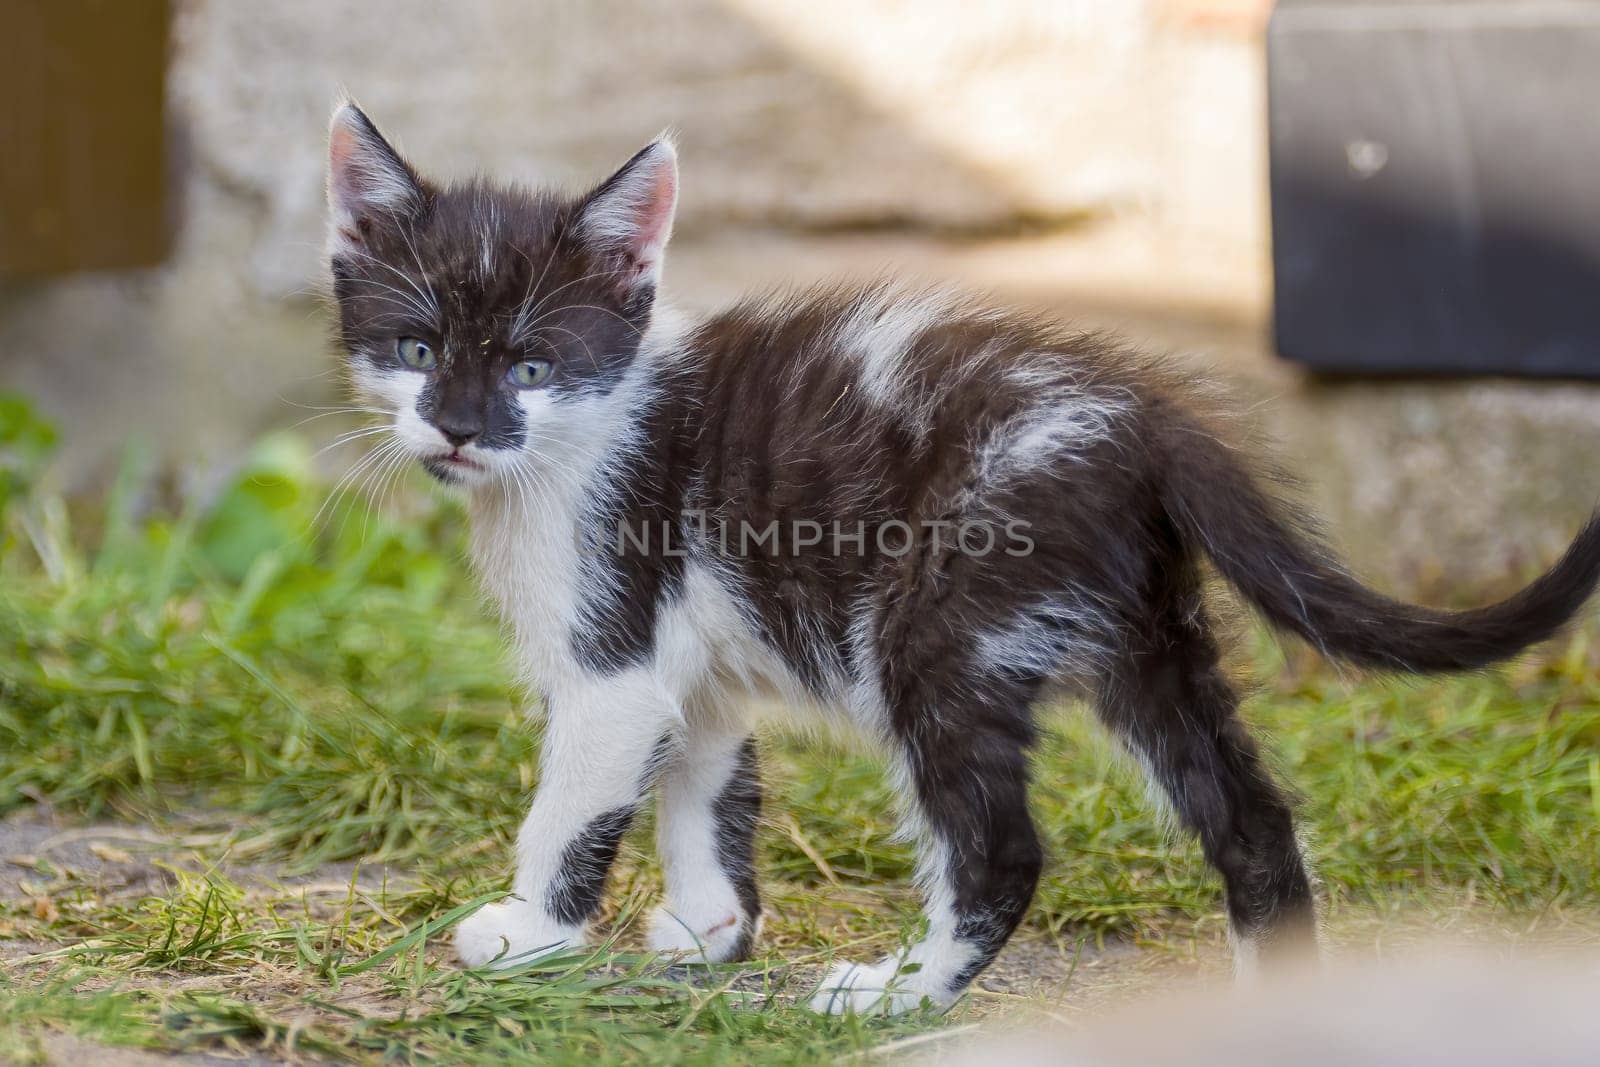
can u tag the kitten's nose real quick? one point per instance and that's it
(458, 433)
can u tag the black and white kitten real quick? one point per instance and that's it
(916, 516)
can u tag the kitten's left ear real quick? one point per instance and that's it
(629, 216)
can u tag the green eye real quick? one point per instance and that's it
(530, 373)
(415, 354)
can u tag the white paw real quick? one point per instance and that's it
(698, 939)
(510, 933)
(888, 987)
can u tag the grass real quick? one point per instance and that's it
(315, 719)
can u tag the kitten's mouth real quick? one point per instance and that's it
(450, 466)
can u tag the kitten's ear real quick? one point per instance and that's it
(629, 216)
(367, 179)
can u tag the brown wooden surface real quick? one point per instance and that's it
(82, 133)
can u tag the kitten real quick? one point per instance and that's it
(914, 515)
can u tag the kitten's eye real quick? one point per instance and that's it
(415, 354)
(530, 373)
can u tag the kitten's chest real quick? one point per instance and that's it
(530, 564)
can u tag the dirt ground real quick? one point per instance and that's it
(117, 862)
(1036, 982)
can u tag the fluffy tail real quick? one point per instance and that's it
(1281, 566)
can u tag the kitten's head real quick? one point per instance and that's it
(488, 320)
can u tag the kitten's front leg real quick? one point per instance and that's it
(602, 745)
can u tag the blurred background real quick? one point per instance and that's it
(1105, 160)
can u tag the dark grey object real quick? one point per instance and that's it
(1436, 186)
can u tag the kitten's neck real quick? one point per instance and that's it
(662, 347)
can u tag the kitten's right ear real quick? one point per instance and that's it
(628, 218)
(367, 180)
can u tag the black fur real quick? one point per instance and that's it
(465, 410)
(1268, 553)
(575, 894)
(737, 811)
(1166, 698)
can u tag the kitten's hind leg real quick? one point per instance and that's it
(966, 771)
(1167, 699)
(709, 802)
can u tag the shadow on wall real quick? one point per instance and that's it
(1365, 287)
(1432, 210)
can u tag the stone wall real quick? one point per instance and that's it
(945, 116)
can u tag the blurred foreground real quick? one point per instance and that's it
(1423, 1006)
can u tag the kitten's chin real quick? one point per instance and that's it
(454, 470)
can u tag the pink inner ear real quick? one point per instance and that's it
(343, 182)
(365, 177)
(631, 219)
(351, 221)
(655, 212)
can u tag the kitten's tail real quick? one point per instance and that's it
(1270, 555)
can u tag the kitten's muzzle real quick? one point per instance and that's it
(459, 434)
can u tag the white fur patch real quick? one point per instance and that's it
(1246, 957)
(892, 986)
(710, 653)
(925, 973)
(510, 933)
(1062, 424)
(1065, 636)
(880, 330)
(488, 213)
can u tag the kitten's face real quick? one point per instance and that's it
(481, 319)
